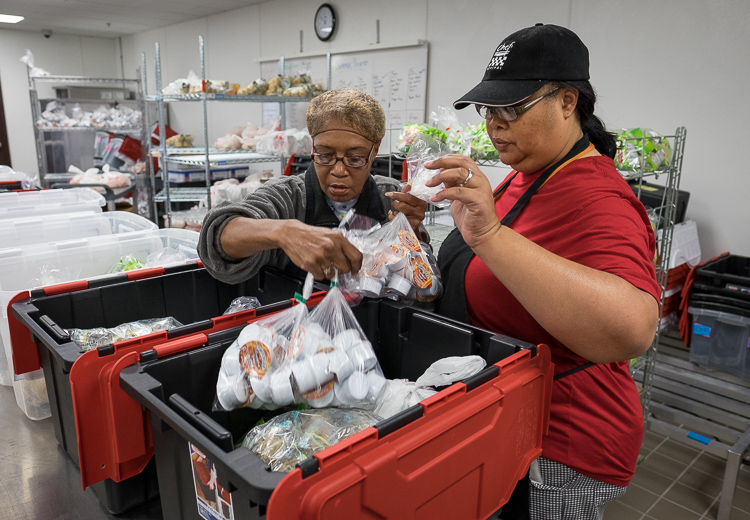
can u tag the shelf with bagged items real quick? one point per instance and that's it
(207, 157)
(65, 109)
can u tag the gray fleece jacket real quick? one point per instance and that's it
(283, 198)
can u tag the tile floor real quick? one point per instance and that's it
(677, 482)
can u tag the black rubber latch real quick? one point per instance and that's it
(149, 355)
(103, 282)
(309, 467)
(54, 328)
(106, 350)
(184, 330)
(480, 378)
(401, 419)
(37, 293)
(532, 348)
(273, 307)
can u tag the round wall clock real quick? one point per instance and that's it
(325, 22)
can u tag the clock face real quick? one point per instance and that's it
(325, 22)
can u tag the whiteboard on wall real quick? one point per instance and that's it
(396, 77)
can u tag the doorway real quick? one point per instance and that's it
(4, 147)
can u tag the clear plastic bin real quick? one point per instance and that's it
(39, 265)
(719, 341)
(66, 226)
(49, 202)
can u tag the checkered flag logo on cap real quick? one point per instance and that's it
(500, 55)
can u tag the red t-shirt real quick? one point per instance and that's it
(588, 214)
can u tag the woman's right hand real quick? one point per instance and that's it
(319, 250)
(472, 204)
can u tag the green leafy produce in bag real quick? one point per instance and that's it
(641, 149)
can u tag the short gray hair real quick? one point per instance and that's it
(353, 109)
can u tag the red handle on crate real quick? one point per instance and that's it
(24, 350)
(140, 274)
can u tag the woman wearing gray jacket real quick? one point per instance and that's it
(290, 220)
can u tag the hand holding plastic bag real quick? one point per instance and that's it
(423, 149)
(395, 264)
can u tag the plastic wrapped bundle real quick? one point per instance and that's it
(100, 336)
(641, 149)
(395, 264)
(292, 437)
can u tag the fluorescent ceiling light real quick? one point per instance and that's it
(9, 18)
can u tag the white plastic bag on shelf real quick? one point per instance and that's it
(34, 72)
(285, 143)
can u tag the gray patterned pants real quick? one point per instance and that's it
(560, 493)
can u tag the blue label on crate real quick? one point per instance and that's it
(219, 96)
(701, 330)
(221, 163)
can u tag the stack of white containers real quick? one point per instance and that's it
(58, 236)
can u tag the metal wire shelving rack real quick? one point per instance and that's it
(41, 131)
(205, 156)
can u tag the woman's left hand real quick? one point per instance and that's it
(413, 208)
(472, 203)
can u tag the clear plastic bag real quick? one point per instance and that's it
(126, 263)
(425, 148)
(395, 264)
(412, 131)
(322, 359)
(641, 149)
(100, 336)
(255, 368)
(242, 303)
(292, 437)
(165, 256)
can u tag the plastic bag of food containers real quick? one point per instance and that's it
(641, 149)
(292, 437)
(321, 360)
(425, 148)
(395, 264)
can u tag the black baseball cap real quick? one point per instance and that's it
(525, 61)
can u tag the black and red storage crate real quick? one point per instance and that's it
(457, 454)
(185, 292)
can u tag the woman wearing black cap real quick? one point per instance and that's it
(561, 254)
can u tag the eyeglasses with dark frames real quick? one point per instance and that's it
(352, 161)
(510, 113)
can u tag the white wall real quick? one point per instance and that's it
(60, 54)
(654, 64)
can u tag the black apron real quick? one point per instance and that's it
(453, 259)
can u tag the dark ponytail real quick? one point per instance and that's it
(590, 123)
